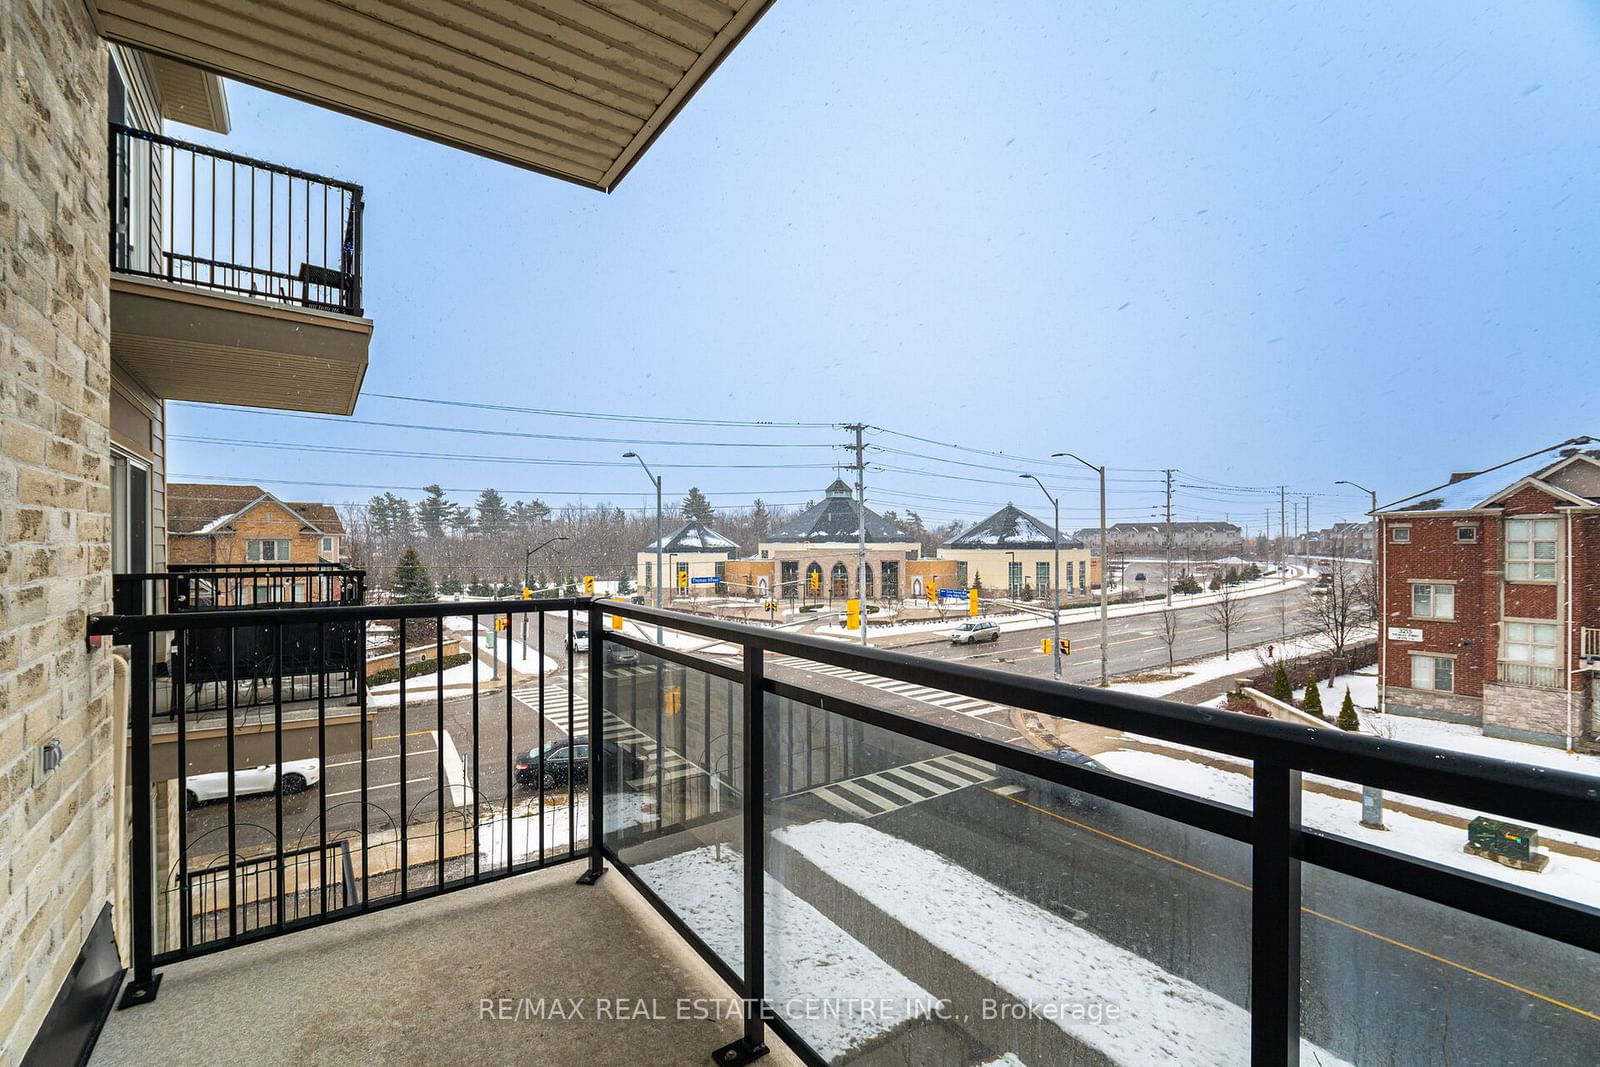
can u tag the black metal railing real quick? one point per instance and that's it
(199, 216)
(726, 770)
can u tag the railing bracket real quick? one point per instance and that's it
(136, 993)
(591, 876)
(740, 1051)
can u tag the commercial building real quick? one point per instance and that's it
(1013, 553)
(1491, 598)
(693, 550)
(814, 555)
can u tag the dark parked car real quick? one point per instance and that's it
(1058, 796)
(620, 655)
(559, 757)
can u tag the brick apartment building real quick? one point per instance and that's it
(1491, 598)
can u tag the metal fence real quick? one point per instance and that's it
(216, 220)
(720, 753)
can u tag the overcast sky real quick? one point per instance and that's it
(1286, 245)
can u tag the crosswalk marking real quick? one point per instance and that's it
(870, 795)
(963, 705)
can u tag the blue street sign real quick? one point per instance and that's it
(959, 593)
(704, 581)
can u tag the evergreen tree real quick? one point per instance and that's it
(381, 517)
(493, 518)
(1281, 689)
(476, 587)
(1348, 719)
(696, 508)
(1312, 704)
(433, 511)
(460, 519)
(1216, 582)
(625, 583)
(411, 583)
(450, 586)
(759, 520)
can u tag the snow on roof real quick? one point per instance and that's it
(1011, 528)
(834, 520)
(1475, 490)
(694, 537)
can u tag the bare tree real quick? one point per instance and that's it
(1169, 634)
(1226, 612)
(1339, 606)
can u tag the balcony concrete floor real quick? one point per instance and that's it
(404, 987)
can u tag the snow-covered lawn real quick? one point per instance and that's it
(1566, 876)
(1241, 663)
(810, 960)
(1036, 955)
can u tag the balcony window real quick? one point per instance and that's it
(1530, 653)
(1433, 672)
(1531, 550)
(266, 550)
(1433, 600)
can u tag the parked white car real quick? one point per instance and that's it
(974, 630)
(297, 775)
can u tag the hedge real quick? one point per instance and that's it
(421, 666)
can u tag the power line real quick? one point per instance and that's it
(606, 416)
(352, 450)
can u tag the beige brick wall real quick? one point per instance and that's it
(55, 838)
(265, 520)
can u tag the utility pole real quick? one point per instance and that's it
(1307, 514)
(858, 429)
(1168, 473)
(1055, 576)
(656, 478)
(1371, 796)
(1282, 533)
(527, 559)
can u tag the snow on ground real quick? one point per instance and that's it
(524, 659)
(1036, 955)
(621, 811)
(1567, 876)
(1241, 663)
(811, 962)
(1008, 1060)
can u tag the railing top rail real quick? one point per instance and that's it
(129, 625)
(322, 565)
(234, 157)
(1542, 794)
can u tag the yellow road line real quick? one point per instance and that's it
(396, 737)
(1311, 911)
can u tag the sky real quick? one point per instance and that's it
(1260, 244)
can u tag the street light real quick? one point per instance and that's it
(1372, 797)
(1104, 563)
(527, 557)
(1055, 580)
(657, 480)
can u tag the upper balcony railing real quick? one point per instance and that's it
(202, 217)
(1537, 675)
(864, 878)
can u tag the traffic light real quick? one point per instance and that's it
(527, 594)
(972, 601)
(816, 581)
(588, 585)
(683, 579)
(933, 592)
(853, 615)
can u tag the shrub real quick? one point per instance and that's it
(1281, 689)
(1347, 713)
(422, 666)
(1312, 704)
(1186, 584)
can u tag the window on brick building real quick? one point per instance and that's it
(1466, 534)
(1433, 600)
(1530, 642)
(266, 549)
(1531, 550)
(1400, 535)
(1433, 672)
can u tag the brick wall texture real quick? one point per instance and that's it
(56, 862)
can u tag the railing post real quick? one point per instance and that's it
(597, 741)
(142, 989)
(753, 1045)
(1275, 917)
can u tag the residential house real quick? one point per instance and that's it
(1151, 536)
(239, 524)
(1491, 598)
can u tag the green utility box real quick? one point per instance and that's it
(1504, 842)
